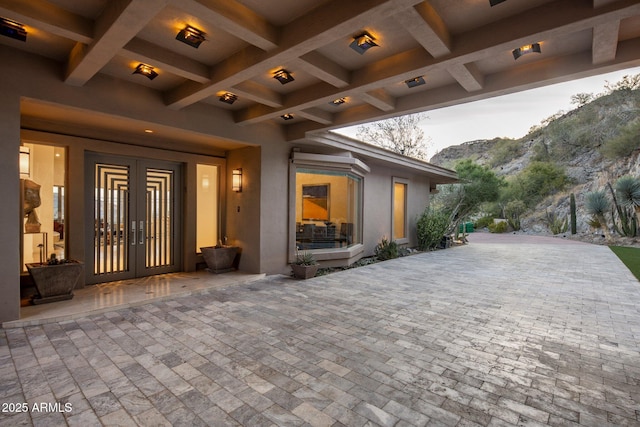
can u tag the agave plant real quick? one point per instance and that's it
(628, 192)
(597, 205)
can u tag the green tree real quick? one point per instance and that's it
(401, 134)
(478, 184)
(537, 181)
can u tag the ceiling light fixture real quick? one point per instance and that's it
(362, 43)
(338, 101)
(495, 2)
(287, 116)
(283, 76)
(228, 98)
(530, 48)
(416, 81)
(191, 36)
(13, 29)
(146, 70)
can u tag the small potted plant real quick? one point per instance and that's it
(305, 265)
(55, 279)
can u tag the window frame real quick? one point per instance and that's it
(403, 181)
(328, 163)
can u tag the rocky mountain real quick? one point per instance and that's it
(594, 144)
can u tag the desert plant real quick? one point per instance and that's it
(513, 210)
(597, 206)
(628, 192)
(483, 222)
(386, 249)
(498, 227)
(432, 225)
(572, 214)
(623, 207)
(556, 224)
(305, 258)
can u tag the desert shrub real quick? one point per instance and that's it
(498, 227)
(483, 222)
(432, 225)
(513, 210)
(556, 224)
(625, 143)
(386, 249)
(504, 151)
(535, 182)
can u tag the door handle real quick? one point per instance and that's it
(141, 233)
(133, 233)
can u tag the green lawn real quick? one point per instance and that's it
(630, 257)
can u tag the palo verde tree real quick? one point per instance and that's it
(401, 134)
(478, 185)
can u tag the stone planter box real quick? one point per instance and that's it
(55, 282)
(220, 259)
(304, 271)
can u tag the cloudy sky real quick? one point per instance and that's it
(505, 116)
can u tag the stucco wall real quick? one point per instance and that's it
(378, 205)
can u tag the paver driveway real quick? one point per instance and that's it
(492, 333)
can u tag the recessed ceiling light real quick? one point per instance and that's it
(283, 76)
(148, 131)
(362, 43)
(530, 48)
(338, 101)
(228, 98)
(191, 36)
(495, 2)
(287, 116)
(416, 81)
(13, 29)
(146, 70)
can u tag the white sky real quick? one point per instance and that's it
(505, 116)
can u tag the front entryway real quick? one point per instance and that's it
(133, 217)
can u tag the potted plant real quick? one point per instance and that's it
(220, 258)
(55, 279)
(305, 266)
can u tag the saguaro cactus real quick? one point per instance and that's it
(572, 208)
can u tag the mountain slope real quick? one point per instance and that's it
(595, 144)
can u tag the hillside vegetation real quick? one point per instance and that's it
(579, 152)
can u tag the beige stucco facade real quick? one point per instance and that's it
(258, 219)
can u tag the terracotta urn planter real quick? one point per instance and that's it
(220, 259)
(55, 282)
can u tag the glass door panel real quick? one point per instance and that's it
(134, 211)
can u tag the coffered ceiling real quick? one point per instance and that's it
(461, 48)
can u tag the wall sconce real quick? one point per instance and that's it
(191, 36)
(236, 180)
(530, 48)
(338, 101)
(25, 162)
(228, 98)
(146, 70)
(416, 81)
(283, 76)
(362, 43)
(13, 29)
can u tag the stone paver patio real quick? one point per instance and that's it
(494, 333)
